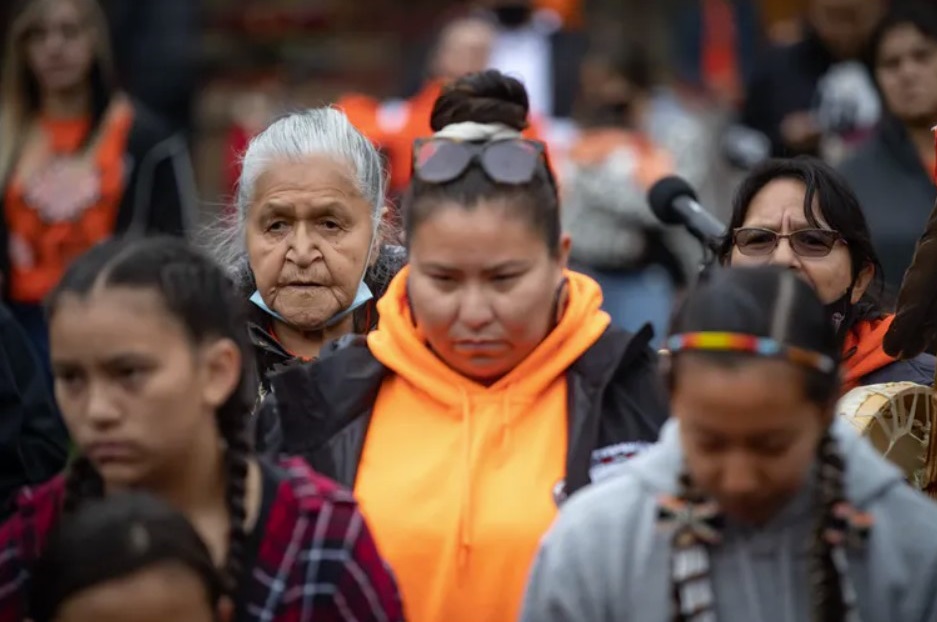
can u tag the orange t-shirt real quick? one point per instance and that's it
(62, 198)
(457, 479)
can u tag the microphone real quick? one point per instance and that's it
(674, 202)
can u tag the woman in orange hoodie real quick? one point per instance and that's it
(494, 385)
(802, 214)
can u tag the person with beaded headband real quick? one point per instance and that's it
(154, 377)
(758, 503)
(494, 385)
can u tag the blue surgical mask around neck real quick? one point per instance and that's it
(362, 296)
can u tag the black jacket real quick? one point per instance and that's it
(321, 411)
(897, 194)
(159, 196)
(33, 439)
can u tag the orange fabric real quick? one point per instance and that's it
(570, 11)
(869, 356)
(594, 146)
(456, 479)
(65, 135)
(720, 63)
(397, 140)
(61, 202)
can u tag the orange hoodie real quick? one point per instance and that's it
(456, 479)
(863, 352)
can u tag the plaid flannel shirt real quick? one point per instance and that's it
(317, 559)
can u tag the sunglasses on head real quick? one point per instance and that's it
(512, 161)
(756, 242)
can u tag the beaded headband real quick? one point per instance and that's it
(740, 342)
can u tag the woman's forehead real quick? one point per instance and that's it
(782, 200)
(311, 178)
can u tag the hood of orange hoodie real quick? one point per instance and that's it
(400, 346)
(863, 352)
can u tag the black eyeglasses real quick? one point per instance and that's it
(756, 242)
(511, 161)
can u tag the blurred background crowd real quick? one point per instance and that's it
(622, 91)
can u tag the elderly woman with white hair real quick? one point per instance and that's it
(308, 243)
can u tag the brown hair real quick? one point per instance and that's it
(19, 91)
(486, 97)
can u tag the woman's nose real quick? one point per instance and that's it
(784, 254)
(304, 247)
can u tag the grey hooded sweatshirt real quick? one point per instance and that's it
(604, 560)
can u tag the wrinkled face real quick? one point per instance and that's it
(163, 592)
(60, 47)
(137, 396)
(779, 207)
(309, 232)
(464, 48)
(845, 25)
(482, 287)
(748, 433)
(906, 70)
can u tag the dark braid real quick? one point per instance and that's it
(82, 483)
(236, 458)
(199, 294)
(829, 604)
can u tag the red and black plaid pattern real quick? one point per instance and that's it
(317, 560)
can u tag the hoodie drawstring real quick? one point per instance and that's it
(465, 514)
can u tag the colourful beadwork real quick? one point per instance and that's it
(739, 342)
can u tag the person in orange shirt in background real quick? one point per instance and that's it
(79, 159)
(464, 47)
(494, 386)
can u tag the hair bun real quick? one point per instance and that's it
(485, 97)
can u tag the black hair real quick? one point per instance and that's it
(772, 302)
(486, 97)
(199, 294)
(838, 205)
(747, 301)
(112, 538)
(921, 15)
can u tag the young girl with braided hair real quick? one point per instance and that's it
(758, 503)
(154, 378)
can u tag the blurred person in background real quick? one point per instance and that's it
(893, 174)
(817, 96)
(801, 214)
(463, 47)
(715, 46)
(308, 245)
(533, 46)
(79, 161)
(604, 178)
(156, 47)
(493, 387)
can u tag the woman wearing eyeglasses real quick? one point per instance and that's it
(494, 385)
(801, 213)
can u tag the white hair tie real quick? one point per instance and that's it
(477, 132)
